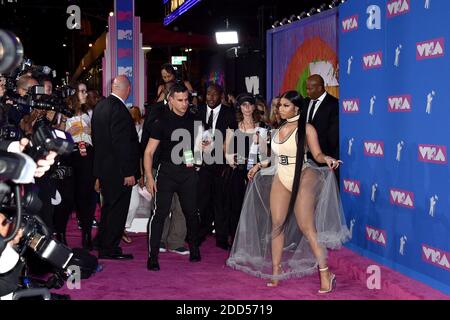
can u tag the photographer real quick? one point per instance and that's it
(10, 266)
(10, 269)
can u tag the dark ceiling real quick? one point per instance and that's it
(41, 25)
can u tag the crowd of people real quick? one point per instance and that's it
(256, 178)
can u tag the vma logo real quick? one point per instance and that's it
(402, 198)
(374, 148)
(436, 257)
(352, 186)
(372, 60)
(400, 103)
(397, 7)
(430, 49)
(433, 154)
(351, 105)
(350, 24)
(376, 235)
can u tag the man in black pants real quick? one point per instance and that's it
(219, 120)
(174, 133)
(116, 164)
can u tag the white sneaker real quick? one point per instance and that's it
(181, 250)
(162, 248)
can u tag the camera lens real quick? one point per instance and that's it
(11, 51)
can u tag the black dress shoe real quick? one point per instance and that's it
(116, 256)
(194, 254)
(153, 264)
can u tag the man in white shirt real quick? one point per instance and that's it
(323, 113)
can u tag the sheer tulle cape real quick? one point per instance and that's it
(251, 251)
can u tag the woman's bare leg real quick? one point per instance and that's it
(279, 205)
(304, 213)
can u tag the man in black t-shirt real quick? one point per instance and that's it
(174, 133)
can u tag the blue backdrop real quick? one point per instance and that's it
(394, 114)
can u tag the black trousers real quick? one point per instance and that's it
(170, 179)
(116, 201)
(211, 202)
(46, 190)
(77, 192)
(236, 186)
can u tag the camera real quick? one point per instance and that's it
(46, 139)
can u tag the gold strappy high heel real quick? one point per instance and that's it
(274, 283)
(332, 283)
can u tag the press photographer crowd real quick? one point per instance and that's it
(35, 154)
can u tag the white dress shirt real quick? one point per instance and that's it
(316, 107)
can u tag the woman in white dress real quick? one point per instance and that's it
(292, 211)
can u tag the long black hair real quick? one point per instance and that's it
(297, 100)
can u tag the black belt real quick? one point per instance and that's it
(284, 160)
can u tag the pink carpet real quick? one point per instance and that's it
(212, 280)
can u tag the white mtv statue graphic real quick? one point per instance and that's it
(433, 201)
(326, 70)
(352, 224)
(350, 144)
(403, 240)
(427, 4)
(397, 56)
(430, 98)
(374, 190)
(349, 65)
(128, 71)
(125, 34)
(399, 150)
(372, 103)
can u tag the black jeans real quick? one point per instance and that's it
(170, 179)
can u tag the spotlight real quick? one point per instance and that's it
(275, 24)
(228, 36)
(333, 4)
(292, 18)
(64, 45)
(90, 45)
(322, 7)
(301, 15)
(311, 12)
(111, 14)
(285, 21)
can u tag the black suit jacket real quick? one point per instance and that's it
(115, 140)
(225, 120)
(326, 123)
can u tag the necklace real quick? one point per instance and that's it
(293, 119)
